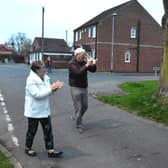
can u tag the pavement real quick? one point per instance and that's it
(10, 156)
(3, 148)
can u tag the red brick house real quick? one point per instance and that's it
(57, 49)
(6, 53)
(125, 38)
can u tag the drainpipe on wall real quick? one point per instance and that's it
(138, 43)
(96, 43)
(112, 41)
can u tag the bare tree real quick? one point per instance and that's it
(20, 43)
(163, 83)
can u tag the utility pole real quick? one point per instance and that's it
(42, 37)
(66, 36)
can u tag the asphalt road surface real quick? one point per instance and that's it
(113, 138)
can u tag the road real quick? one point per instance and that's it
(113, 137)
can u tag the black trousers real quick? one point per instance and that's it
(47, 131)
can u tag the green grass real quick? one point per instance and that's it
(140, 99)
(4, 162)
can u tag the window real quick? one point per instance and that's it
(93, 53)
(94, 32)
(89, 32)
(89, 54)
(133, 33)
(76, 36)
(127, 56)
(80, 35)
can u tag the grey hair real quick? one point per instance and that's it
(79, 50)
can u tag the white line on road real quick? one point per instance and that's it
(1, 98)
(15, 140)
(10, 127)
(2, 104)
(5, 111)
(9, 121)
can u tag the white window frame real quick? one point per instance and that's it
(94, 31)
(89, 32)
(127, 57)
(133, 33)
(93, 53)
(76, 36)
(80, 35)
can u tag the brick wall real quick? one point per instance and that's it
(150, 41)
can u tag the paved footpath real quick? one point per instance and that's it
(113, 138)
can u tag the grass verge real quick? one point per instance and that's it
(140, 99)
(5, 162)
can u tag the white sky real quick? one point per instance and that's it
(25, 16)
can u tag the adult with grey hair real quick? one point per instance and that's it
(78, 81)
(37, 108)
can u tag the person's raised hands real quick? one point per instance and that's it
(57, 85)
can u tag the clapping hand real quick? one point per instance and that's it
(91, 61)
(94, 61)
(57, 85)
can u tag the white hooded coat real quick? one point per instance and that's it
(37, 92)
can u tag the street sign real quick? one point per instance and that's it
(156, 68)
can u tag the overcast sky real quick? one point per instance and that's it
(25, 16)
